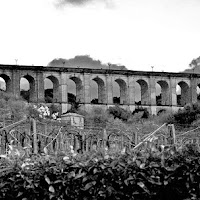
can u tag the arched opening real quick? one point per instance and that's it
(121, 92)
(5, 83)
(27, 88)
(98, 91)
(158, 95)
(142, 94)
(162, 93)
(137, 94)
(198, 93)
(94, 92)
(75, 91)
(182, 92)
(71, 91)
(51, 88)
(2, 84)
(116, 93)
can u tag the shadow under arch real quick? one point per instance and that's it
(184, 97)
(31, 93)
(144, 91)
(54, 92)
(79, 89)
(164, 98)
(101, 99)
(123, 91)
(198, 92)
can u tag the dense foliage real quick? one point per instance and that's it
(153, 174)
(145, 113)
(97, 117)
(119, 113)
(186, 116)
(11, 107)
(16, 108)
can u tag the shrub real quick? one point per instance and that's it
(96, 117)
(12, 107)
(149, 175)
(186, 116)
(119, 112)
(163, 117)
(144, 111)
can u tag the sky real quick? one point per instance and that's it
(135, 33)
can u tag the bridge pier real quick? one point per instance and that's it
(40, 87)
(109, 86)
(173, 95)
(152, 93)
(86, 88)
(64, 93)
(131, 91)
(193, 90)
(16, 83)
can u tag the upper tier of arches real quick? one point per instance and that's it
(132, 90)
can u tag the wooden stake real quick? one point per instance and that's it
(34, 134)
(105, 138)
(171, 134)
(136, 138)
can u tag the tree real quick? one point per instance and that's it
(194, 62)
(48, 95)
(119, 113)
(144, 112)
(25, 95)
(186, 116)
(12, 107)
(97, 117)
(71, 98)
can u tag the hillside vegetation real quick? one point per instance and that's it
(152, 172)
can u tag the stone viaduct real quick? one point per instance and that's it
(104, 78)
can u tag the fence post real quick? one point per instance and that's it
(136, 138)
(1, 138)
(34, 135)
(171, 134)
(83, 142)
(105, 138)
(87, 144)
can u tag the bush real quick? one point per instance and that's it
(97, 117)
(163, 117)
(12, 107)
(144, 111)
(148, 175)
(186, 116)
(119, 113)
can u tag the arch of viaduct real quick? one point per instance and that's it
(126, 79)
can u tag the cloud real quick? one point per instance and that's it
(83, 61)
(62, 3)
(73, 2)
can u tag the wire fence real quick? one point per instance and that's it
(58, 137)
